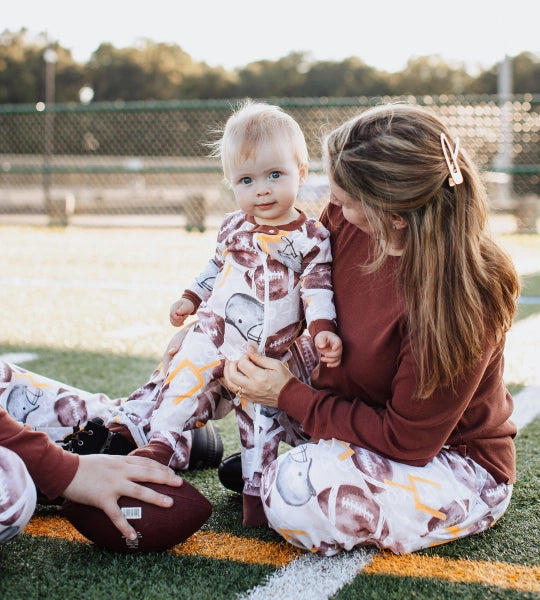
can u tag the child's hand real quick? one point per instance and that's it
(180, 310)
(330, 348)
(101, 479)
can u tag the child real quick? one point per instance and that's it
(270, 271)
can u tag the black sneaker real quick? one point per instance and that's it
(95, 438)
(206, 448)
(230, 473)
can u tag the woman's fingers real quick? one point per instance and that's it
(256, 377)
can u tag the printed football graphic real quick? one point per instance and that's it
(278, 280)
(373, 465)
(5, 371)
(70, 411)
(349, 509)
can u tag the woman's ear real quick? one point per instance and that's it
(398, 222)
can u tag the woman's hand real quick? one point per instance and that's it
(174, 345)
(102, 479)
(256, 378)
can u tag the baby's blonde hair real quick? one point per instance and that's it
(251, 124)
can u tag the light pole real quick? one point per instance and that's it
(56, 216)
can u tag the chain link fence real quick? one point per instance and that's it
(67, 162)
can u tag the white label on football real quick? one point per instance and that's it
(132, 512)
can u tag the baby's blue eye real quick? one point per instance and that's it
(275, 175)
(245, 180)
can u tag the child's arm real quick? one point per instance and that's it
(199, 290)
(330, 348)
(180, 310)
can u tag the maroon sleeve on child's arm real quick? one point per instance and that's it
(319, 325)
(51, 467)
(192, 297)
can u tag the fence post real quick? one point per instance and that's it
(55, 210)
(527, 214)
(504, 158)
(195, 211)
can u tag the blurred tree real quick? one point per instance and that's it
(209, 83)
(350, 77)
(526, 73)
(265, 78)
(165, 67)
(154, 72)
(431, 75)
(116, 74)
(486, 81)
(161, 71)
(18, 85)
(22, 69)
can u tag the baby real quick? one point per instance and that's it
(269, 276)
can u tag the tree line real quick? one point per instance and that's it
(163, 71)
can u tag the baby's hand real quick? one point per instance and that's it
(330, 348)
(180, 310)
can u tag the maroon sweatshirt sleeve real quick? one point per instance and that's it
(470, 418)
(51, 467)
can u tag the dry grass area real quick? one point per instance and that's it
(109, 289)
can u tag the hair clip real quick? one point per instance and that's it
(450, 156)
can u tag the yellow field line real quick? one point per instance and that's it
(225, 546)
(53, 527)
(504, 575)
(222, 546)
(229, 547)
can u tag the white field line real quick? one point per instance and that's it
(526, 406)
(311, 577)
(18, 358)
(87, 284)
(522, 360)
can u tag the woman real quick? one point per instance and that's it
(414, 438)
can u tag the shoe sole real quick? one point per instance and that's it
(207, 448)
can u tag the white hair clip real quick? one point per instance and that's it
(451, 160)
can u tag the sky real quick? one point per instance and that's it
(232, 33)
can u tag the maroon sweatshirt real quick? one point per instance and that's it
(51, 467)
(369, 399)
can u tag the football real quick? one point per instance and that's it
(157, 528)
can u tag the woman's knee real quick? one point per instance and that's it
(17, 495)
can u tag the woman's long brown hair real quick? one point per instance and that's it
(459, 286)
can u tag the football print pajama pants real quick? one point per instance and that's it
(329, 496)
(323, 497)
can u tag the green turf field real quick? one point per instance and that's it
(91, 306)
